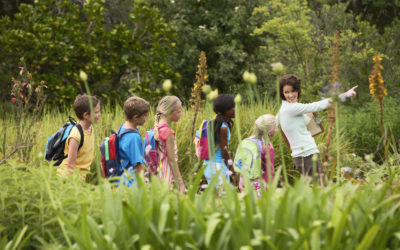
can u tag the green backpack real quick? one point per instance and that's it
(248, 157)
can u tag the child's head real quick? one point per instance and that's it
(136, 110)
(224, 105)
(82, 108)
(170, 107)
(265, 125)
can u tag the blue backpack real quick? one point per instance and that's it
(55, 145)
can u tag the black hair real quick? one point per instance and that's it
(222, 104)
(291, 80)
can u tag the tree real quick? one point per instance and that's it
(58, 38)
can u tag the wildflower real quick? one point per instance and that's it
(167, 85)
(37, 90)
(230, 162)
(212, 95)
(23, 84)
(238, 99)
(229, 173)
(13, 100)
(346, 169)
(21, 70)
(204, 186)
(83, 76)
(249, 77)
(368, 157)
(278, 68)
(376, 88)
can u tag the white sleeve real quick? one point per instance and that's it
(301, 108)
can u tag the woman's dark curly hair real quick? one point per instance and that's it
(291, 80)
(222, 104)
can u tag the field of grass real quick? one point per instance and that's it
(40, 210)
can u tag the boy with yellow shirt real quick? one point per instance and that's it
(81, 158)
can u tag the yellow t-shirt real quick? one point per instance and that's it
(85, 153)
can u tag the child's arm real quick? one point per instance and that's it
(139, 168)
(173, 163)
(73, 146)
(223, 142)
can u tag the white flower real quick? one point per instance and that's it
(346, 169)
(147, 149)
(204, 186)
(278, 68)
(83, 76)
(249, 77)
(229, 173)
(230, 162)
(167, 85)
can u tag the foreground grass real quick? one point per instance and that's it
(56, 213)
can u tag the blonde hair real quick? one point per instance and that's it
(166, 106)
(263, 125)
(135, 106)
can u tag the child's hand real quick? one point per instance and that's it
(351, 92)
(182, 187)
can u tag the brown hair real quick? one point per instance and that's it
(82, 105)
(291, 80)
(135, 106)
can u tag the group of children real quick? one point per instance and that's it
(132, 154)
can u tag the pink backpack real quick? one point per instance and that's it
(151, 155)
(201, 141)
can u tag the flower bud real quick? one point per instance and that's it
(238, 99)
(206, 89)
(167, 85)
(278, 68)
(83, 76)
(249, 77)
(212, 95)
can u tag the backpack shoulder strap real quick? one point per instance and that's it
(126, 131)
(80, 129)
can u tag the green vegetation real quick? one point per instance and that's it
(129, 47)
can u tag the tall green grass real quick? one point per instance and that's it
(68, 213)
(40, 210)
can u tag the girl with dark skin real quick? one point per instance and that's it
(224, 107)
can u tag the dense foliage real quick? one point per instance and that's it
(56, 39)
(132, 46)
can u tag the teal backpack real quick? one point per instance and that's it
(248, 157)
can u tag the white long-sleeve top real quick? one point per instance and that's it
(293, 121)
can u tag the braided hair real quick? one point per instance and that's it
(166, 106)
(222, 104)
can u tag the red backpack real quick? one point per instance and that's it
(109, 150)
